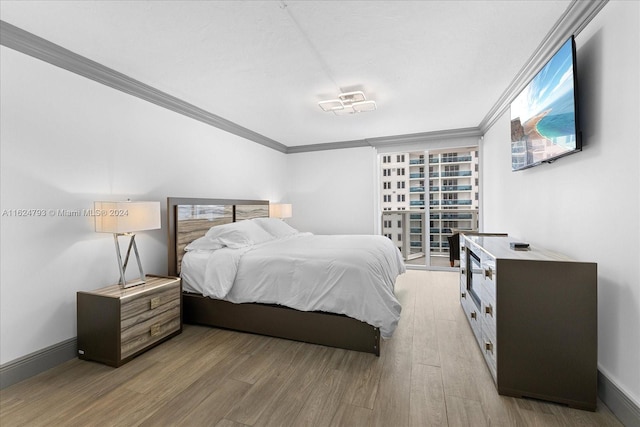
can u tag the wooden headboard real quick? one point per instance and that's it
(189, 219)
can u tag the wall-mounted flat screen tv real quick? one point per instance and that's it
(544, 116)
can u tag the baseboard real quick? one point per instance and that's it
(37, 362)
(32, 364)
(623, 408)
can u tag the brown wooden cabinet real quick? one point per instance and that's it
(116, 324)
(534, 316)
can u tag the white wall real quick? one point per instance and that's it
(67, 141)
(587, 205)
(332, 191)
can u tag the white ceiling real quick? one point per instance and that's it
(264, 65)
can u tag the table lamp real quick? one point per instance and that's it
(280, 210)
(124, 219)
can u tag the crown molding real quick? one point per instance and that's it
(389, 141)
(439, 135)
(25, 42)
(328, 146)
(577, 15)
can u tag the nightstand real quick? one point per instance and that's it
(117, 324)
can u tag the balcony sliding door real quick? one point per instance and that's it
(427, 196)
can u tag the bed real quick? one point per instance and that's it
(221, 288)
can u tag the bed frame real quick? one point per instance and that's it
(190, 218)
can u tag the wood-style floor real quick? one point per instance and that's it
(431, 373)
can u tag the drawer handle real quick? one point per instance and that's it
(463, 295)
(488, 347)
(474, 315)
(488, 309)
(155, 302)
(155, 330)
(488, 273)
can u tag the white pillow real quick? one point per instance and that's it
(276, 227)
(238, 234)
(203, 243)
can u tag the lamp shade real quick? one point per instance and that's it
(126, 217)
(280, 210)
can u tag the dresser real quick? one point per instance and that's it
(533, 314)
(116, 324)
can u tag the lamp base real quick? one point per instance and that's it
(131, 283)
(123, 266)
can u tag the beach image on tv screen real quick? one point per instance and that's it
(543, 115)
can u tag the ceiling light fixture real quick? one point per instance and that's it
(348, 103)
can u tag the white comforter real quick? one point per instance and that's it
(351, 275)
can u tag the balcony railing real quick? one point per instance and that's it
(455, 202)
(456, 173)
(416, 189)
(416, 162)
(456, 159)
(416, 202)
(440, 230)
(416, 175)
(451, 188)
(457, 216)
(456, 188)
(432, 226)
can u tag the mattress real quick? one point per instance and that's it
(352, 275)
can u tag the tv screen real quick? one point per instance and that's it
(544, 116)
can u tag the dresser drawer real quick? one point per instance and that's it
(472, 314)
(488, 310)
(463, 287)
(490, 273)
(489, 347)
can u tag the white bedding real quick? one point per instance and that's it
(351, 275)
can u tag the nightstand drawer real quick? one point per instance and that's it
(140, 335)
(149, 304)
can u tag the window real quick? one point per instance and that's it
(399, 237)
(400, 171)
(400, 158)
(400, 184)
(399, 224)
